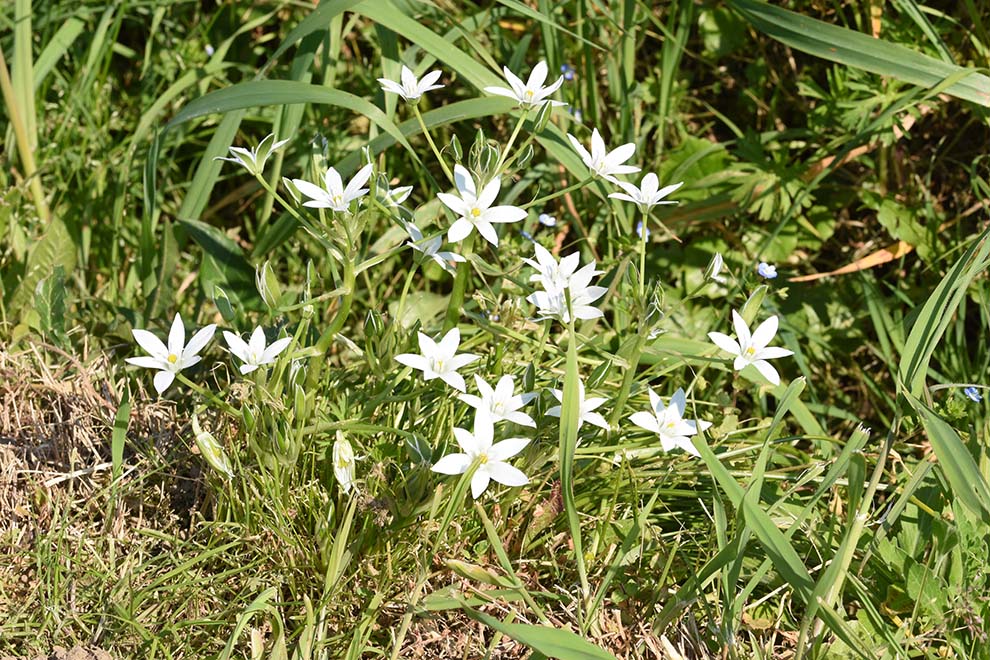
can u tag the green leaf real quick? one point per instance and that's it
(318, 19)
(256, 93)
(49, 302)
(861, 51)
(551, 642)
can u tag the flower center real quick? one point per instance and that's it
(750, 352)
(483, 459)
(670, 425)
(476, 212)
(499, 407)
(529, 93)
(172, 358)
(337, 199)
(438, 365)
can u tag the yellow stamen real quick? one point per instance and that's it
(476, 212)
(750, 351)
(173, 358)
(483, 459)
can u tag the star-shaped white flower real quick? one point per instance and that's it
(585, 406)
(499, 403)
(395, 196)
(253, 160)
(669, 423)
(752, 348)
(715, 268)
(532, 93)
(605, 163)
(343, 463)
(552, 303)
(409, 87)
(430, 248)
(552, 274)
(438, 359)
(648, 194)
(477, 448)
(476, 210)
(253, 352)
(174, 357)
(334, 196)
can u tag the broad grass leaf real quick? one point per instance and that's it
(551, 642)
(861, 51)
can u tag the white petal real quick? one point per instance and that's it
(146, 362)
(621, 154)
(504, 214)
(742, 330)
(470, 399)
(310, 190)
(479, 482)
(768, 371)
(459, 230)
(487, 231)
(765, 332)
(452, 464)
(489, 193)
(596, 419)
(464, 181)
(199, 340)
(162, 380)
(150, 343)
(237, 345)
(507, 475)
(176, 336)
(455, 380)
(645, 420)
(725, 342)
(332, 182)
(506, 449)
(772, 352)
(277, 347)
(357, 182)
(412, 360)
(448, 345)
(538, 76)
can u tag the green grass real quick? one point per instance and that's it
(802, 140)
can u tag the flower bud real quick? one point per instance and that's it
(455, 148)
(267, 285)
(211, 450)
(543, 117)
(223, 304)
(343, 463)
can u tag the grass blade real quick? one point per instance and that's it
(861, 51)
(551, 642)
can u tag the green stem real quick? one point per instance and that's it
(460, 285)
(205, 393)
(512, 139)
(433, 146)
(642, 255)
(554, 195)
(323, 343)
(405, 291)
(295, 214)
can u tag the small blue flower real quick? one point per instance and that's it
(973, 394)
(568, 71)
(209, 50)
(547, 220)
(639, 230)
(766, 270)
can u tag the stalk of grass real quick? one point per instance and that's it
(570, 412)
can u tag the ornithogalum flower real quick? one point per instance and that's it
(561, 280)
(439, 359)
(254, 353)
(499, 403)
(532, 93)
(475, 209)
(752, 348)
(490, 458)
(603, 163)
(430, 248)
(648, 194)
(334, 195)
(669, 423)
(586, 408)
(765, 270)
(253, 160)
(173, 358)
(343, 463)
(409, 88)
(715, 268)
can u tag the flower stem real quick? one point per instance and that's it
(460, 285)
(642, 255)
(405, 291)
(554, 195)
(295, 214)
(512, 139)
(206, 394)
(433, 146)
(323, 343)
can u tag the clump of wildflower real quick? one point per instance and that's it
(602, 162)
(477, 448)
(440, 359)
(475, 209)
(752, 348)
(532, 93)
(668, 422)
(334, 195)
(172, 358)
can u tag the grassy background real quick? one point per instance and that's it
(788, 158)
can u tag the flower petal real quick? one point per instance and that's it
(765, 332)
(507, 475)
(176, 336)
(768, 372)
(506, 449)
(725, 342)
(162, 380)
(150, 343)
(452, 464)
(645, 420)
(479, 482)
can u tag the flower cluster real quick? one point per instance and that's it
(567, 289)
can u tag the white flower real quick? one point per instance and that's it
(476, 210)
(253, 352)
(714, 268)
(552, 303)
(490, 458)
(766, 270)
(532, 94)
(648, 195)
(175, 357)
(669, 422)
(396, 196)
(334, 196)
(752, 348)
(602, 163)
(550, 273)
(499, 403)
(430, 248)
(586, 408)
(410, 88)
(253, 160)
(438, 359)
(343, 463)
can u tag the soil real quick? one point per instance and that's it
(75, 653)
